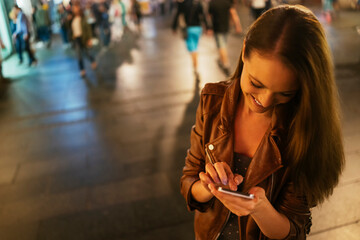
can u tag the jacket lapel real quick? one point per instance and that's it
(228, 106)
(266, 161)
(221, 148)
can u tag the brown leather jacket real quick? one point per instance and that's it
(212, 138)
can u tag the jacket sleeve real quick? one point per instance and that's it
(194, 163)
(297, 210)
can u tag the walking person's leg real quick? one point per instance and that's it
(64, 35)
(31, 56)
(78, 49)
(192, 43)
(93, 32)
(90, 57)
(221, 43)
(102, 35)
(19, 47)
(48, 36)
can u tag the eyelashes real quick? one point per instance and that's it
(287, 95)
(254, 85)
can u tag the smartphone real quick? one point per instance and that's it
(234, 193)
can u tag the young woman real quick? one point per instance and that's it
(81, 35)
(273, 131)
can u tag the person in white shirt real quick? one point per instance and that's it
(81, 35)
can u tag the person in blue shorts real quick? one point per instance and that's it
(194, 16)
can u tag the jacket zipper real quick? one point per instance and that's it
(228, 215)
(272, 185)
(223, 226)
(209, 156)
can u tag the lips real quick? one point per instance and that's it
(257, 102)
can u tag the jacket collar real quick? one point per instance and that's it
(229, 103)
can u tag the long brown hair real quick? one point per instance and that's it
(314, 143)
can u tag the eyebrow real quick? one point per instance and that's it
(262, 85)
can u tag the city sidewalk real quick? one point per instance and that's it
(100, 157)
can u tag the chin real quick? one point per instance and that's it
(260, 111)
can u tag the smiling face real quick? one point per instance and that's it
(266, 82)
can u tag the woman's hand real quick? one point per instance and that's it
(219, 174)
(241, 206)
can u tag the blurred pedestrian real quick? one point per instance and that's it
(64, 23)
(221, 11)
(161, 5)
(90, 17)
(43, 24)
(22, 35)
(273, 131)
(12, 23)
(115, 18)
(34, 25)
(104, 25)
(136, 14)
(194, 16)
(328, 9)
(81, 35)
(124, 13)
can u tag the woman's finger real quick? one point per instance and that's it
(212, 172)
(205, 179)
(222, 173)
(230, 174)
(238, 179)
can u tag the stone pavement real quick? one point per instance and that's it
(100, 157)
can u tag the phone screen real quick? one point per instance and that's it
(234, 193)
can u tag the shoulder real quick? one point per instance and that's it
(212, 96)
(217, 89)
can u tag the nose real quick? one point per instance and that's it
(267, 99)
